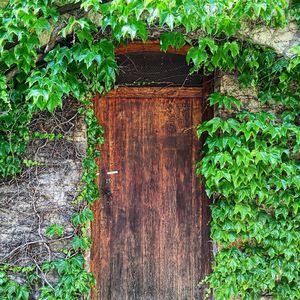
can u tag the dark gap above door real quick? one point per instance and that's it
(156, 69)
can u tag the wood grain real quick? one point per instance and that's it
(150, 234)
(148, 46)
(154, 92)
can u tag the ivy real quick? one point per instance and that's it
(12, 289)
(251, 168)
(55, 230)
(172, 39)
(250, 163)
(74, 280)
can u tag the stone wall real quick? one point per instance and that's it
(43, 194)
(281, 39)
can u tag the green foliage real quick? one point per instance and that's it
(95, 62)
(30, 163)
(46, 135)
(55, 230)
(224, 101)
(171, 39)
(73, 280)
(14, 120)
(251, 273)
(250, 163)
(251, 168)
(214, 18)
(83, 217)
(12, 290)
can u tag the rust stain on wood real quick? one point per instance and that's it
(150, 233)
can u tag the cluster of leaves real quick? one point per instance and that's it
(14, 120)
(65, 68)
(252, 168)
(129, 18)
(47, 136)
(255, 66)
(12, 289)
(73, 280)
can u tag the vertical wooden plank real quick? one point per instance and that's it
(100, 225)
(200, 209)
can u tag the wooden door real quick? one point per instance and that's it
(150, 233)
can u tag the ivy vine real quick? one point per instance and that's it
(50, 49)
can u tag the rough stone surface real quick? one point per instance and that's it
(282, 39)
(43, 194)
(227, 84)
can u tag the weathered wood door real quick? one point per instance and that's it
(150, 233)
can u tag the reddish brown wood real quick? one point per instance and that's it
(154, 92)
(151, 235)
(148, 46)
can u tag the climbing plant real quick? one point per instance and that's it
(50, 49)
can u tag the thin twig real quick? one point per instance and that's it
(34, 243)
(43, 274)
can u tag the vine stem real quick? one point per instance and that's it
(43, 275)
(33, 243)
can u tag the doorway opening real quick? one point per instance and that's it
(151, 229)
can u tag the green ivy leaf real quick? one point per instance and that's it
(55, 230)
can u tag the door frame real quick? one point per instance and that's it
(208, 86)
